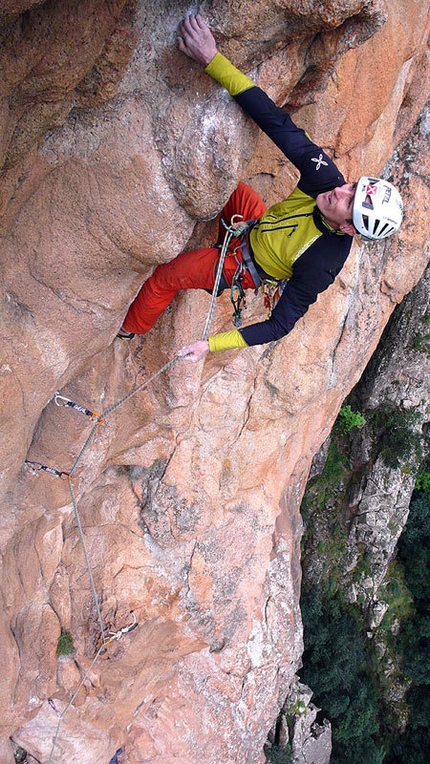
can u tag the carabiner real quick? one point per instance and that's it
(237, 297)
(37, 466)
(117, 634)
(92, 415)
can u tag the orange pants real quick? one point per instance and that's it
(195, 269)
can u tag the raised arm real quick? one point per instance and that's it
(197, 42)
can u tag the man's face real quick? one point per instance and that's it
(336, 205)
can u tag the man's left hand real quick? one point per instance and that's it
(196, 40)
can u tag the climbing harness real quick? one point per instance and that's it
(233, 231)
(271, 288)
(58, 399)
(246, 254)
(237, 293)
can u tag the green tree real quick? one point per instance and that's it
(414, 547)
(413, 642)
(335, 664)
(400, 440)
(348, 419)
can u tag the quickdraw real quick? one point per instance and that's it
(62, 402)
(236, 230)
(36, 466)
(117, 634)
(237, 296)
(272, 291)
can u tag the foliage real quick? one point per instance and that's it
(65, 643)
(296, 709)
(330, 553)
(350, 679)
(413, 639)
(335, 469)
(335, 666)
(414, 552)
(412, 745)
(421, 341)
(396, 594)
(400, 441)
(349, 419)
(414, 547)
(280, 754)
(423, 480)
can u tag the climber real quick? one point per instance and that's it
(301, 242)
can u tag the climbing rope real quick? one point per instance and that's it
(87, 562)
(113, 635)
(36, 466)
(72, 698)
(232, 231)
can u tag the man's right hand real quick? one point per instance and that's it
(195, 352)
(196, 40)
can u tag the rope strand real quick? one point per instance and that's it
(142, 386)
(231, 231)
(85, 676)
(87, 562)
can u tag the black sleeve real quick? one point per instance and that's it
(313, 272)
(318, 173)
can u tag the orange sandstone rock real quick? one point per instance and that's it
(114, 146)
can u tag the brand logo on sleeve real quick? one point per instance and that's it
(319, 161)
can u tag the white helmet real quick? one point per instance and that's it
(378, 208)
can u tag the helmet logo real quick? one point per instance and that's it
(371, 190)
(387, 194)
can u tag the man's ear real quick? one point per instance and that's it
(348, 228)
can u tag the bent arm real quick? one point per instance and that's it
(313, 273)
(293, 304)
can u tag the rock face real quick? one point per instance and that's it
(308, 741)
(113, 147)
(370, 500)
(398, 377)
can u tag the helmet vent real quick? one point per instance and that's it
(384, 229)
(376, 225)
